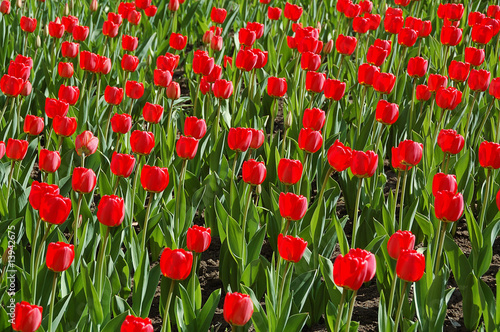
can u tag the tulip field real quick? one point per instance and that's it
(261, 165)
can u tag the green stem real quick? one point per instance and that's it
(361, 106)
(77, 218)
(146, 219)
(282, 287)
(340, 310)
(282, 153)
(440, 247)
(33, 243)
(401, 205)
(217, 121)
(52, 299)
(37, 261)
(470, 113)
(400, 306)
(180, 187)
(412, 108)
(5, 107)
(101, 265)
(443, 69)
(351, 309)
(355, 219)
(244, 226)
(339, 73)
(196, 95)
(280, 44)
(486, 199)
(481, 126)
(116, 185)
(167, 307)
(11, 173)
(393, 290)
(118, 136)
(109, 120)
(304, 172)
(134, 187)
(236, 91)
(396, 198)
(323, 187)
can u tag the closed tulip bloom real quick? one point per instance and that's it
(276, 87)
(110, 29)
(493, 11)
(448, 206)
(384, 44)
(5, 7)
(292, 207)
(407, 37)
(290, 248)
(400, 241)
(417, 67)
(366, 6)
(257, 138)
(65, 69)
(488, 155)
(16, 149)
(142, 4)
(475, 18)
(222, 89)
(136, 324)
(410, 152)
(436, 82)
(26, 90)
(215, 74)
(352, 10)
(482, 34)
(334, 89)
(27, 317)
(384, 82)
(313, 118)
(239, 139)
(170, 62)
(410, 266)
(355, 268)
(89, 61)
(218, 15)
(360, 24)
(129, 43)
(386, 113)
(458, 71)
(177, 41)
(11, 86)
(122, 165)
(364, 164)
(83, 180)
(448, 98)
(38, 191)
(111, 210)
(254, 172)
(69, 50)
(152, 113)
(186, 147)
(134, 17)
(396, 160)
(273, 13)
(310, 140)
(142, 142)
(129, 62)
(198, 238)
(474, 56)
(54, 208)
(292, 12)
(64, 126)
(28, 24)
(246, 59)
(104, 65)
(69, 22)
(80, 33)
(377, 55)
(339, 156)
(454, 11)
(256, 27)
(54, 108)
(289, 171)
(393, 23)
(315, 82)
(495, 88)
(134, 89)
(346, 45)
(69, 94)
(479, 80)
(367, 73)
(228, 61)
(60, 256)
(173, 91)
(310, 61)
(49, 161)
(162, 78)
(451, 35)
(86, 143)
(154, 179)
(202, 63)
(374, 21)
(195, 127)
(444, 182)
(238, 309)
(450, 141)
(19, 70)
(176, 264)
(216, 43)
(2, 149)
(121, 123)
(33, 125)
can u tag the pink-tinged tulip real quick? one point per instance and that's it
(86, 143)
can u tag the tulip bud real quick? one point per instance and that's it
(19, 3)
(93, 6)
(258, 190)
(46, 30)
(288, 120)
(38, 41)
(149, 60)
(5, 256)
(318, 26)
(328, 47)
(66, 9)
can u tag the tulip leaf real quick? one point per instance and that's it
(115, 324)
(205, 316)
(471, 302)
(93, 302)
(234, 238)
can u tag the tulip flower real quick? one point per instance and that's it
(69, 23)
(238, 308)
(222, 89)
(54, 208)
(129, 43)
(400, 241)
(435, 82)
(417, 67)
(134, 17)
(377, 55)
(198, 239)
(49, 161)
(458, 71)
(313, 118)
(290, 248)
(345, 44)
(27, 317)
(450, 141)
(386, 113)
(292, 12)
(5, 7)
(448, 99)
(289, 171)
(383, 82)
(310, 140)
(154, 179)
(482, 34)
(195, 127)
(407, 37)
(16, 149)
(86, 143)
(367, 73)
(448, 206)
(11, 86)
(129, 62)
(80, 33)
(111, 210)
(410, 152)
(273, 13)
(134, 89)
(142, 142)
(69, 50)
(28, 24)
(177, 41)
(444, 182)
(136, 324)
(218, 15)
(121, 123)
(186, 147)
(69, 94)
(479, 80)
(33, 125)
(451, 36)
(276, 87)
(60, 256)
(152, 113)
(292, 207)
(110, 29)
(2, 149)
(65, 69)
(474, 56)
(254, 172)
(38, 191)
(239, 139)
(422, 92)
(364, 164)
(315, 82)
(257, 138)
(334, 89)
(83, 180)
(122, 165)
(494, 89)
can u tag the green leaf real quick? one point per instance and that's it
(207, 312)
(93, 301)
(115, 324)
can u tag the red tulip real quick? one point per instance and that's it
(84, 180)
(495, 88)
(11, 86)
(422, 92)
(111, 210)
(134, 17)
(417, 67)
(334, 89)
(366, 6)
(393, 23)
(54, 208)
(345, 44)
(218, 15)
(228, 61)
(310, 140)
(364, 164)
(407, 37)
(154, 179)
(176, 264)
(122, 165)
(376, 55)
(38, 191)
(436, 82)
(273, 13)
(19, 70)
(134, 89)
(256, 27)
(384, 82)
(198, 238)
(49, 161)
(121, 123)
(173, 91)
(352, 10)
(475, 18)
(488, 154)
(400, 241)
(86, 143)
(479, 80)
(16, 149)
(254, 172)
(315, 82)
(5, 7)
(129, 43)
(367, 73)
(150, 11)
(451, 36)
(448, 206)
(60, 256)
(276, 87)
(474, 56)
(239, 139)
(450, 141)
(33, 125)
(54, 108)
(2, 149)
(110, 29)
(292, 12)
(289, 171)
(444, 182)
(222, 89)
(292, 207)
(142, 4)
(383, 44)
(28, 24)
(195, 127)
(310, 61)
(89, 61)
(410, 152)
(410, 266)
(458, 71)
(69, 23)
(373, 21)
(69, 94)
(65, 69)
(186, 147)
(448, 99)
(257, 138)
(177, 41)
(142, 142)
(136, 324)
(386, 113)
(396, 160)
(353, 269)
(27, 317)
(202, 63)
(291, 248)
(313, 118)
(162, 78)
(246, 59)
(69, 50)
(129, 62)
(339, 156)
(454, 12)
(360, 24)
(152, 113)
(482, 34)
(80, 33)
